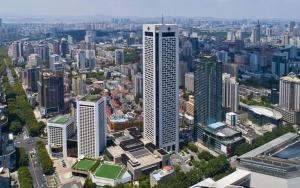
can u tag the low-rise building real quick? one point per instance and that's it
(161, 175)
(102, 173)
(119, 124)
(260, 115)
(221, 138)
(275, 164)
(138, 155)
(237, 179)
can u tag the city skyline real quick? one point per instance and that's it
(150, 94)
(141, 8)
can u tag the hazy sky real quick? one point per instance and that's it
(154, 8)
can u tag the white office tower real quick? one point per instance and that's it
(60, 128)
(289, 92)
(119, 57)
(230, 89)
(54, 58)
(34, 60)
(81, 59)
(91, 126)
(161, 103)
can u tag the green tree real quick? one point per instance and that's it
(89, 184)
(22, 157)
(44, 159)
(191, 146)
(25, 178)
(205, 155)
(242, 149)
(15, 127)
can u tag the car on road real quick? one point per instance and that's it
(63, 164)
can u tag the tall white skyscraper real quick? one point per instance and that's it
(54, 58)
(161, 103)
(91, 126)
(230, 96)
(289, 92)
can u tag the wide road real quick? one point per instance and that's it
(28, 143)
(9, 74)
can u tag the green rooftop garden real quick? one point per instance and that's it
(109, 171)
(84, 164)
(91, 98)
(60, 119)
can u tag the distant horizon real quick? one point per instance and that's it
(23, 18)
(221, 9)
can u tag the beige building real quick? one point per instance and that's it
(289, 92)
(189, 82)
(138, 155)
(190, 106)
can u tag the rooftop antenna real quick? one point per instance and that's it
(162, 19)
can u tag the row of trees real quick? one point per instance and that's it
(24, 176)
(267, 137)
(265, 101)
(19, 110)
(22, 157)
(44, 158)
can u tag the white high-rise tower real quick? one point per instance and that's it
(230, 95)
(289, 92)
(161, 103)
(91, 126)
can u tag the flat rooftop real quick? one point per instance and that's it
(141, 155)
(269, 112)
(268, 146)
(231, 179)
(291, 152)
(221, 129)
(60, 119)
(109, 171)
(291, 78)
(279, 157)
(90, 98)
(84, 164)
(159, 174)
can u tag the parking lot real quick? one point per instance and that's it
(64, 172)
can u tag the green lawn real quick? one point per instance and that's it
(85, 164)
(108, 171)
